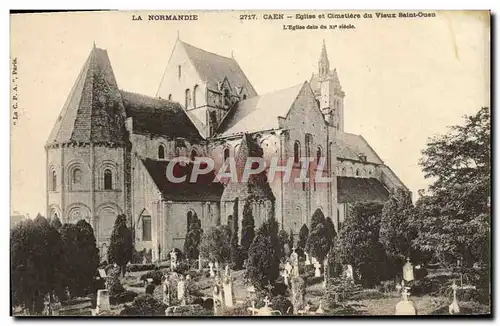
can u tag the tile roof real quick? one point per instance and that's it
(204, 189)
(351, 147)
(260, 112)
(154, 116)
(352, 190)
(213, 68)
(93, 111)
(257, 186)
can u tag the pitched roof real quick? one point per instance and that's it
(94, 110)
(204, 189)
(257, 186)
(156, 116)
(352, 190)
(213, 68)
(351, 147)
(260, 112)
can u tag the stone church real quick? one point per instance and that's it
(108, 151)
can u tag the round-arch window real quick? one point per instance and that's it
(77, 176)
(296, 152)
(226, 154)
(108, 179)
(161, 152)
(193, 154)
(357, 172)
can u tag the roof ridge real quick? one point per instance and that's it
(212, 53)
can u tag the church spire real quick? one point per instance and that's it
(323, 64)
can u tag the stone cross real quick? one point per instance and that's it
(453, 308)
(405, 306)
(267, 303)
(317, 271)
(308, 262)
(217, 297)
(211, 266)
(314, 260)
(252, 309)
(408, 271)
(226, 271)
(217, 268)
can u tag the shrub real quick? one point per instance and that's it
(282, 304)
(121, 247)
(145, 305)
(193, 237)
(248, 228)
(303, 235)
(215, 244)
(150, 288)
(318, 242)
(262, 264)
(182, 267)
(140, 267)
(122, 297)
(156, 275)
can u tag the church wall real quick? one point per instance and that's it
(301, 200)
(175, 227)
(347, 168)
(176, 85)
(146, 146)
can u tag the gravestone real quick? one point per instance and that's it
(349, 273)
(317, 271)
(326, 271)
(181, 291)
(453, 308)
(173, 260)
(252, 309)
(227, 285)
(218, 299)
(405, 307)
(298, 292)
(320, 310)
(308, 262)
(200, 263)
(285, 276)
(188, 310)
(408, 271)
(314, 260)
(217, 271)
(102, 304)
(211, 266)
(166, 291)
(294, 258)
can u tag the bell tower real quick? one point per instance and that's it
(328, 91)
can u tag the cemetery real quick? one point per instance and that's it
(388, 259)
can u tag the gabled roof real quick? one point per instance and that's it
(351, 147)
(257, 186)
(260, 112)
(94, 110)
(204, 189)
(154, 116)
(353, 190)
(213, 68)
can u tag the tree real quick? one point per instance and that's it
(330, 230)
(70, 257)
(248, 227)
(88, 258)
(193, 238)
(303, 235)
(120, 247)
(318, 241)
(215, 244)
(262, 264)
(284, 240)
(36, 252)
(236, 250)
(395, 229)
(358, 242)
(453, 217)
(56, 223)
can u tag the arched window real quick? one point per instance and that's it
(170, 97)
(146, 226)
(343, 172)
(236, 149)
(193, 154)
(296, 152)
(77, 176)
(196, 91)
(188, 98)
(244, 97)
(161, 152)
(54, 180)
(357, 172)
(318, 155)
(108, 179)
(226, 154)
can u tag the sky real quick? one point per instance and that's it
(405, 79)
